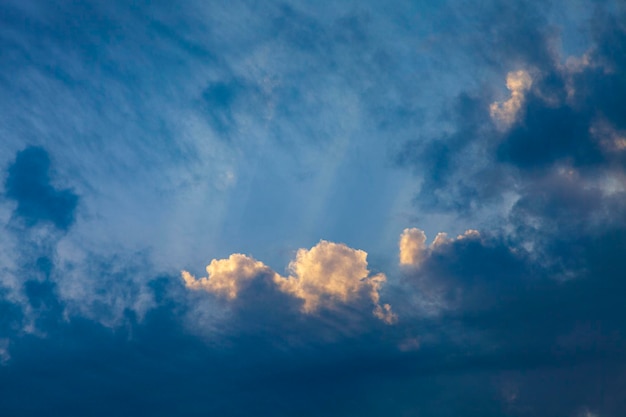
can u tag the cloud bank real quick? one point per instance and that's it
(324, 276)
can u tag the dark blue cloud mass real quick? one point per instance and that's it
(29, 184)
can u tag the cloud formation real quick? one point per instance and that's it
(29, 184)
(325, 276)
(226, 277)
(332, 272)
(267, 125)
(506, 113)
(413, 248)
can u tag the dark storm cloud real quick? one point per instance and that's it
(505, 310)
(494, 354)
(541, 297)
(547, 135)
(266, 358)
(564, 131)
(569, 117)
(38, 200)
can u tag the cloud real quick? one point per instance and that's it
(105, 288)
(506, 113)
(435, 292)
(535, 300)
(327, 273)
(226, 277)
(412, 246)
(323, 277)
(29, 184)
(333, 272)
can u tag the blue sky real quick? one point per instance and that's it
(408, 208)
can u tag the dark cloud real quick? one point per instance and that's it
(505, 310)
(547, 135)
(561, 117)
(38, 200)
(570, 117)
(511, 328)
(539, 300)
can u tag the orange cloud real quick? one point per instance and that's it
(226, 277)
(505, 113)
(324, 276)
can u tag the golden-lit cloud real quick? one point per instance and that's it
(226, 277)
(330, 273)
(325, 276)
(505, 113)
(413, 248)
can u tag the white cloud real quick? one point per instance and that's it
(226, 277)
(327, 272)
(505, 113)
(324, 276)
(434, 294)
(333, 272)
(469, 234)
(412, 246)
(441, 239)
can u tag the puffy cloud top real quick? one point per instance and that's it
(505, 113)
(324, 276)
(226, 277)
(412, 246)
(325, 273)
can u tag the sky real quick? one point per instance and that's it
(355, 208)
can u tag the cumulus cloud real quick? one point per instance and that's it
(505, 113)
(331, 272)
(226, 277)
(413, 248)
(325, 276)
(436, 292)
